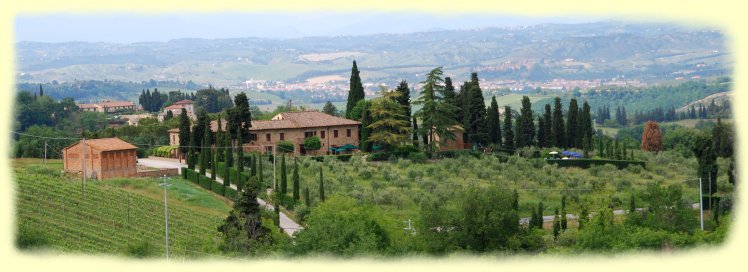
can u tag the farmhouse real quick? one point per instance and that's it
(295, 127)
(176, 109)
(104, 158)
(108, 106)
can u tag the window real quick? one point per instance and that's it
(253, 136)
(335, 133)
(322, 134)
(348, 132)
(309, 134)
(267, 137)
(282, 136)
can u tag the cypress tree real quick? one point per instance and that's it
(478, 129)
(260, 176)
(556, 225)
(533, 220)
(415, 132)
(253, 165)
(526, 126)
(355, 91)
(508, 132)
(220, 141)
(226, 155)
(547, 118)
(307, 200)
(41, 91)
(184, 133)
(494, 131)
(464, 99)
(284, 180)
(542, 137)
(540, 215)
(557, 124)
(515, 201)
(572, 125)
(450, 97)
(191, 153)
(239, 156)
(295, 180)
(632, 203)
(321, 186)
(564, 222)
(229, 159)
(404, 99)
(213, 168)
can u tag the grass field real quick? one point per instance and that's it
(119, 216)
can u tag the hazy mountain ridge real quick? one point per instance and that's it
(599, 49)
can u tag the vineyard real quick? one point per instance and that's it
(108, 220)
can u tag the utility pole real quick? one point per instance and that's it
(701, 204)
(166, 213)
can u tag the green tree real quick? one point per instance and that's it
(226, 158)
(450, 97)
(436, 115)
(508, 131)
(388, 127)
(356, 90)
(284, 179)
(706, 157)
(312, 143)
(243, 230)
(573, 138)
(295, 180)
(558, 132)
(542, 137)
(548, 126)
(191, 160)
(494, 125)
(403, 98)
(366, 120)
(556, 225)
(307, 199)
(239, 117)
(239, 155)
(477, 127)
(330, 109)
(564, 222)
(321, 186)
(526, 125)
(540, 215)
(220, 141)
(285, 146)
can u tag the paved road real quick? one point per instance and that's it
(288, 225)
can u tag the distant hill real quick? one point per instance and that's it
(645, 51)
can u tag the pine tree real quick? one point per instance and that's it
(526, 125)
(330, 109)
(295, 180)
(494, 131)
(436, 115)
(508, 132)
(321, 186)
(573, 138)
(558, 132)
(356, 90)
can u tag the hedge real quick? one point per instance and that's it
(191, 175)
(340, 157)
(205, 182)
(184, 172)
(458, 153)
(217, 188)
(586, 163)
(230, 193)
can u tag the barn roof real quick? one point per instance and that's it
(107, 144)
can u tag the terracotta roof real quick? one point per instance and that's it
(174, 107)
(107, 144)
(87, 106)
(302, 119)
(183, 102)
(108, 104)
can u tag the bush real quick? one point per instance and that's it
(379, 156)
(418, 157)
(29, 238)
(141, 249)
(163, 151)
(285, 146)
(312, 143)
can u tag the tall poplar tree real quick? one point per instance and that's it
(494, 126)
(355, 91)
(558, 132)
(508, 131)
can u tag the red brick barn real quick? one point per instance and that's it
(104, 158)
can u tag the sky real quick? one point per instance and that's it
(131, 28)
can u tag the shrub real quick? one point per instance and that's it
(285, 146)
(418, 157)
(205, 182)
(217, 188)
(379, 156)
(141, 249)
(312, 143)
(29, 238)
(230, 193)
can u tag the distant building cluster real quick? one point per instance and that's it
(108, 106)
